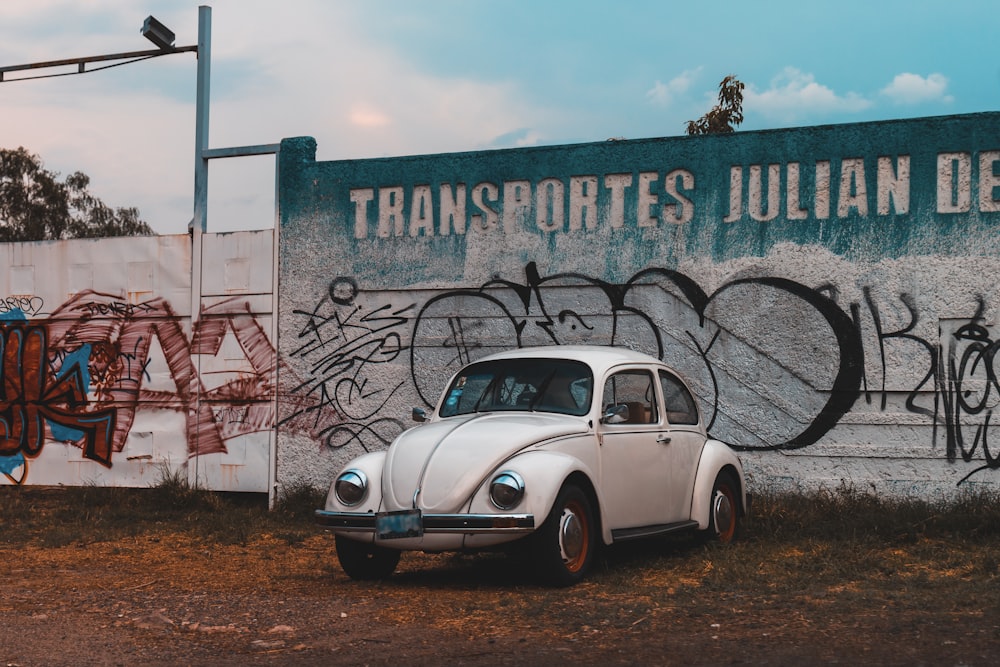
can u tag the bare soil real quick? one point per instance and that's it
(168, 596)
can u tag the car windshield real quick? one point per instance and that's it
(528, 385)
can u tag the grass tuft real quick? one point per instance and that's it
(849, 514)
(299, 501)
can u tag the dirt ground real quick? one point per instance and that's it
(170, 599)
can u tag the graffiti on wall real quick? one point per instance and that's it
(778, 376)
(81, 374)
(959, 386)
(346, 348)
(659, 311)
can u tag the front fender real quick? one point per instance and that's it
(371, 465)
(544, 472)
(715, 457)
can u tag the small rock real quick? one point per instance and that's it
(280, 628)
(154, 620)
(212, 629)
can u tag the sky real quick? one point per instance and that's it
(378, 78)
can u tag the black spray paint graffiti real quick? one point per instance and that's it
(961, 378)
(776, 363)
(25, 305)
(346, 349)
(968, 388)
(666, 314)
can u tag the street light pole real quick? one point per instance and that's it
(200, 220)
(199, 223)
(202, 153)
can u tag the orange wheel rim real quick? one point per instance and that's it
(724, 507)
(574, 536)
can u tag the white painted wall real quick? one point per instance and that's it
(188, 396)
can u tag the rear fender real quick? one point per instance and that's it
(715, 457)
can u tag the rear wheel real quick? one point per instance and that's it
(366, 561)
(565, 544)
(724, 511)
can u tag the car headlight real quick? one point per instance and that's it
(506, 490)
(351, 487)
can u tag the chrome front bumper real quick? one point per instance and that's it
(433, 523)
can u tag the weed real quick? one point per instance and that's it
(299, 501)
(175, 492)
(59, 536)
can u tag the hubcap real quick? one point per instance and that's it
(572, 537)
(722, 513)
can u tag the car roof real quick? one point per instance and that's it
(599, 357)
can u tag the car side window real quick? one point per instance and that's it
(678, 401)
(632, 388)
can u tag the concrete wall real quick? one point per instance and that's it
(109, 380)
(829, 291)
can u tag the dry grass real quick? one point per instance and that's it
(832, 577)
(833, 545)
(58, 516)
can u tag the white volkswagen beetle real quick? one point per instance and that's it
(559, 448)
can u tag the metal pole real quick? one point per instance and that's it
(200, 221)
(82, 62)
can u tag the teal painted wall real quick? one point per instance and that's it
(864, 192)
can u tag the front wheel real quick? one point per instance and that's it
(365, 561)
(724, 511)
(564, 546)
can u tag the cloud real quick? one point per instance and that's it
(909, 88)
(663, 94)
(518, 138)
(794, 94)
(368, 117)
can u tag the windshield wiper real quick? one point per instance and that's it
(488, 390)
(542, 388)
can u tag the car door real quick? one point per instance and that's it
(684, 439)
(634, 461)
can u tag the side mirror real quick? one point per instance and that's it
(615, 414)
(419, 415)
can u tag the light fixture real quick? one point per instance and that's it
(157, 33)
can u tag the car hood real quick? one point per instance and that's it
(449, 459)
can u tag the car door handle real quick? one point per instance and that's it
(663, 438)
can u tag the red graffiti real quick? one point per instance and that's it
(52, 391)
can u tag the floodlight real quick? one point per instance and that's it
(157, 33)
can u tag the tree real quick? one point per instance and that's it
(36, 206)
(726, 115)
